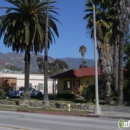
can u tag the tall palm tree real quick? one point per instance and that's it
(82, 50)
(116, 63)
(123, 8)
(120, 87)
(23, 27)
(105, 21)
(46, 99)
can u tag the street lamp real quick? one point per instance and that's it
(97, 109)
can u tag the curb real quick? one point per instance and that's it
(68, 114)
(75, 114)
(61, 113)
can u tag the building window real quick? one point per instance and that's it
(40, 86)
(30, 85)
(87, 82)
(13, 85)
(67, 84)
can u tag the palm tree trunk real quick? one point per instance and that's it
(108, 90)
(116, 60)
(106, 63)
(120, 88)
(82, 62)
(27, 71)
(46, 98)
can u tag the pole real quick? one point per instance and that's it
(97, 109)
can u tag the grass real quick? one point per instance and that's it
(22, 99)
(15, 108)
(70, 101)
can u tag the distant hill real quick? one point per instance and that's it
(18, 61)
(74, 63)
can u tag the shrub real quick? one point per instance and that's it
(65, 96)
(88, 93)
(52, 96)
(62, 96)
(80, 89)
(2, 94)
(127, 94)
(102, 94)
(114, 95)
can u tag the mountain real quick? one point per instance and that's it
(18, 61)
(74, 63)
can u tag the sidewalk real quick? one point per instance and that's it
(115, 115)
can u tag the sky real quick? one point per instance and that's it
(72, 32)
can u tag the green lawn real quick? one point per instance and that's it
(15, 108)
(101, 102)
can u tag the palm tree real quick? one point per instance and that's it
(120, 86)
(23, 27)
(46, 99)
(123, 8)
(105, 21)
(116, 63)
(82, 50)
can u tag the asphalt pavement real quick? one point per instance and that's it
(104, 114)
(10, 120)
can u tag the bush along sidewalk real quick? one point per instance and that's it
(2, 94)
(36, 104)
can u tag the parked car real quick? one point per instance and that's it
(20, 92)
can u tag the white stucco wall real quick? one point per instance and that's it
(35, 80)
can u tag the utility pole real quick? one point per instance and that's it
(97, 109)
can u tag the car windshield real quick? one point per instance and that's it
(21, 88)
(32, 89)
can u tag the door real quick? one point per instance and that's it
(77, 85)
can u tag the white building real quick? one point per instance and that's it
(36, 80)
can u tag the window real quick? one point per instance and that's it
(67, 84)
(21, 88)
(32, 89)
(40, 86)
(30, 85)
(13, 85)
(87, 82)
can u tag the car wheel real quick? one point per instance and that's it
(21, 95)
(7, 97)
(39, 95)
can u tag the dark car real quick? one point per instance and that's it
(20, 92)
(33, 92)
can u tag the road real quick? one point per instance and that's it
(30, 121)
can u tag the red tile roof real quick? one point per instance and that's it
(82, 72)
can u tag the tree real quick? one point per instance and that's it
(82, 50)
(53, 67)
(40, 62)
(123, 9)
(62, 64)
(127, 68)
(46, 98)
(12, 67)
(23, 27)
(106, 32)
